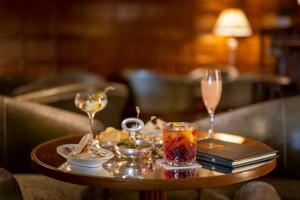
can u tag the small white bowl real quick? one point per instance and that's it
(65, 150)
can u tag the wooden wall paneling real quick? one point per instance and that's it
(70, 21)
(10, 38)
(34, 70)
(10, 51)
(108, 36)
(70, 49)
(40, 50)
(39, 36)
(39, 18)
(10, 18)
(248, 55)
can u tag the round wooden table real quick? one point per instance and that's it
(152, 180)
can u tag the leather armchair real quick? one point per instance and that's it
(255, 87)
(276, 124)
(10, 83)
(159, 94)
(63, 97)
(9, 187)
(59, 90)
(25, 124)
(233, 83)
(57, 79)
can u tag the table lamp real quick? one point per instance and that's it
(232, 23)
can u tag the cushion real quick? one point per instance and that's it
(253, 190)
(9, 188)
(39, 187)
(256, 190)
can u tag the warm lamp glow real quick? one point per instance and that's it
(233, 23)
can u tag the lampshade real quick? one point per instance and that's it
(233, 23)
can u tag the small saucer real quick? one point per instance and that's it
(142, 152)
(110, 145)
(90, 161)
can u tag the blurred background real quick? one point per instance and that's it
(172, 37)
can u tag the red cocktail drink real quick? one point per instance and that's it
(179, 143)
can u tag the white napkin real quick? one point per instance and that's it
(150, 126)
(90, 147)
(82, 144)
(170, 167)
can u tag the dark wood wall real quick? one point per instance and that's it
(107, 36)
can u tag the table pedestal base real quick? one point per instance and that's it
(153, 195)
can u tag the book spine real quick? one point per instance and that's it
(217, 168)
(215, 160)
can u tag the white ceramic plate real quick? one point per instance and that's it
(64, 151)
(92, 171)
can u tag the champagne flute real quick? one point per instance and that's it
(211, 90)
(91, 103)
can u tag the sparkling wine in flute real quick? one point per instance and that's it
(211, 90)
(211, 93)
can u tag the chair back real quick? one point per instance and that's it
(63, 97)
(159, 93)
(237, 93)
(53, 80)
(231, 92)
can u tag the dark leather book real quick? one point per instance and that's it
(226, 170)
(232, 154)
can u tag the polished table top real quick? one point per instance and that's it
(146, 174)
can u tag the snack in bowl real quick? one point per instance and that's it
(86, 153)
(133, 147)
(87, 159)
(111, 136)
(129, 149)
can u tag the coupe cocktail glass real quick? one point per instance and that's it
(91, 103)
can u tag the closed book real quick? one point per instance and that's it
(232, 154)
(226, 170)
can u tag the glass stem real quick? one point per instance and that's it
(211, 125)
(91, 118)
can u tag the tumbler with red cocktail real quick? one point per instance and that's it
(179, 143)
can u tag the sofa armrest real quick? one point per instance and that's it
(254, 190)
(9, 188)
(257, 190)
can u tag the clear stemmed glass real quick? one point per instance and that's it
(211, 90)
(91, 103)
